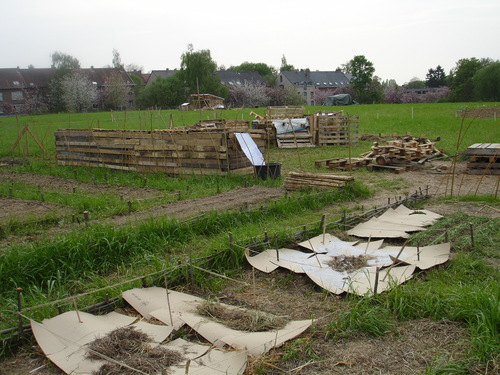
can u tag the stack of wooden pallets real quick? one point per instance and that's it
(484, 158)
(343, 164)
(321, 181)
(175, 151)
(331, 129)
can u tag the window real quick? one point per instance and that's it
(1, 96)
(15, 83)
(305, 94)
(17, 95)
(312, 94)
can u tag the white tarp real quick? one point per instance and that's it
(289, 125)
(250, 148)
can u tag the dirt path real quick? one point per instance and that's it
(67, 185)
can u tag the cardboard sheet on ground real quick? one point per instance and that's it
(250, 148)
(63, 338)
(324, 266)
(395, 223)
(255, 343)
(153, 302)
(206, 361)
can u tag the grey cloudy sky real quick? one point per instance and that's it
(402, 38)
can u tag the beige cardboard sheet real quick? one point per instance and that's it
(206, 361)
(362, 281)
(395, 223)
(152, 302)
(63, 337)
(255, 343)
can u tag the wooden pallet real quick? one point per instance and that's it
(296, 139)
(484, 158)
(301, 180)
(343, 164)
(335, 129)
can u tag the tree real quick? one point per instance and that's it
(435, 77)
(248, 95)
(461, 83)
(267, 72)
(78, 92)
(285, 67)
(198, 73)
(64, 65)
(415, 83)
(362, 75)
(115, 93)
(487, 83)
(163, 92)
(117, 60)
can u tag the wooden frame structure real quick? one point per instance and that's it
(173, 151)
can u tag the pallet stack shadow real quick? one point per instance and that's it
(199, 149)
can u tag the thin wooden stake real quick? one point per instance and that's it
(375, 287)
(168, 301)
(76, 309)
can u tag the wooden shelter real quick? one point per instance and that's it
(203, 102)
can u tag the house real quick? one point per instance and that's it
(232, 78)
(306, 82)
(26, 90)
(18, 87)
(155, 74)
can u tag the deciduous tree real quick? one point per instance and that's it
(487, 83)
(78, 92)
(362, 75)
(198, 73)
(63, 65)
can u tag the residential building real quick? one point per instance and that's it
(21, 90)
(305, 82)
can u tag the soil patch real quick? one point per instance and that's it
(234, 199)
(67, 185)
(26, 211)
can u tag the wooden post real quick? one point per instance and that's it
(375, 286)
(276, 247)
(86, 217)
(129, 206)
(230, 235)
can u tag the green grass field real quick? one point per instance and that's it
(431, 120)
(465, 290)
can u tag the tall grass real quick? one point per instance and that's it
(99, 250)
(466, 289)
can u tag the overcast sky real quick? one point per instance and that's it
(402, 38)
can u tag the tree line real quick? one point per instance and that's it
(70, 90)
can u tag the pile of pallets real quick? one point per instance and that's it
(484, 158)
(343, 164)
(331, 129)
(175, 151)
(321, 181)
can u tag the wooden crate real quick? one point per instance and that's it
(186, 151)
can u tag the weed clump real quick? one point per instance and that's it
(131, 349)
(243, 320)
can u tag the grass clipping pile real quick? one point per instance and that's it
(129, 350)
(349, 263)
(242, 320)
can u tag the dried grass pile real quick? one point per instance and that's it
(131, 347)
(349, 263)
(242, 320)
